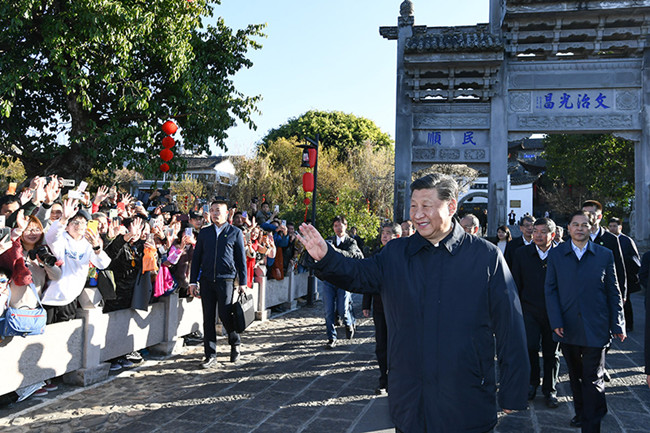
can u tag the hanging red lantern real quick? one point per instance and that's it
(166, 155)
(169, 127)
(168, 142)
(164, 167)
(308, 182)
(306, 201)
(312, 157)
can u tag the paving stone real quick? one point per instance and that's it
(246, 416)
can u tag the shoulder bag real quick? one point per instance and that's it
(23, 321)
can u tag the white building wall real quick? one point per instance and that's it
(520, 197)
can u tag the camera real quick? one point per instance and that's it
(43, 252)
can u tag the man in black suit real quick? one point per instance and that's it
(585, 310)
(632, 262)
(526, 238)
(529, 272)
(334, 298)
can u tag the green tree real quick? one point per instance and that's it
(589, 166)
(87, 84)
(337, 130)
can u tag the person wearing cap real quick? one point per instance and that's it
(196, 221)
(76, 247)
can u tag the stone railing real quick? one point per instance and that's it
(79, 349)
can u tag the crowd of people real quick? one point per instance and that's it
(444, 299)
(133, 250)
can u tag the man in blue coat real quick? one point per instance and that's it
(446, 296)
(219, 257)
(585, 308)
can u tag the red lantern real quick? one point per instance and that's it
(312, 157)
(168, 142)
(166, 155)
(169, 127)
(308, 182)
(164, 167)
(306, 201)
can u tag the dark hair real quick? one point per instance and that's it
(395, 228)
(290, 223)
(340, 219)
(526, 218)
(549, 223)
(219, 201)
(474, 218)
(505, 230)
(615, 220)
(596, 204)
(590, 217)
(237, 213)
(9, 199)
(444, 184)
(6, 271)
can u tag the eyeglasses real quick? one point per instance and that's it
(79, 222)
(3, 280)
(33, 231)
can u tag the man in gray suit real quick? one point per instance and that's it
(585, 309)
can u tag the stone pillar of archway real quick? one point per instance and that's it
(640, 219)
(498, 176)
(403, 119)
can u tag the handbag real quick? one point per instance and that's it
(23, 321)
(106, 284)
(142, 291)
(243, 312)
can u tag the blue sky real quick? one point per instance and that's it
(327, 55)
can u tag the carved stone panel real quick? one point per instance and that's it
(627, 99)
(451, 121)
(520, 102)
(575, 123)
(440, 138)
(478, 155)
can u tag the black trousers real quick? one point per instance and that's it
(381, 346)
(60, 313)
(538, 328)
(586, 369)
(629, 314)
(217, 296)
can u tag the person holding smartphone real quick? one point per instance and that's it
(219, 258)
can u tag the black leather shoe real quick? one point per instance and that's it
(209, 362)
(234, 354)
(532, 392)
(349, 332)
(606, 376)
(552, 402)
(576, 422)
(330, 344)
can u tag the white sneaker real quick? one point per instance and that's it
(25, 392)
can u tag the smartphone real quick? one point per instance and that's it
(276, 208)
(67, 182)
(188, 231)
(82, 186)
(77, 195)
(138, 203)
(284, 222)
(11, 189)
(121, 206)
(112, 214)
(3, 221)
(93, 226)
(244, 214)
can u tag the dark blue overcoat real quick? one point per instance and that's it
(582, 296)
(443, 307)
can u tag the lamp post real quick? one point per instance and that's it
(310, 159)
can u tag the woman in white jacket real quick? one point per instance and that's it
(76, 247)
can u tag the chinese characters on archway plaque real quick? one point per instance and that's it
(573, 101)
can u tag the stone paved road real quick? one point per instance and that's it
(286, 382)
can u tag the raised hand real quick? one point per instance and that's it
(26, 196)
(52, 190)
(101, 195)
(313, 241)
(94, 239)
(69, 210)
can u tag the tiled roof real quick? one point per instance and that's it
(203, 162)
(453, 40)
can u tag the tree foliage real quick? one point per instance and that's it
(337, 130)
(590, 166)
(87, 84)
(360, 188)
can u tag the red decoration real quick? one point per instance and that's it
(164, 167)
(308, 182)
(168, 142)
(306, 201)
(166, 155)
(169, 127)
(312, 157)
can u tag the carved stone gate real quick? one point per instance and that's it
(539, 66)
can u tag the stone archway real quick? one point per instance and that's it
(472, 195)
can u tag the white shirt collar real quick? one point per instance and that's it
(339, 240)
(579, 252)
(543, 254)
(526, 242)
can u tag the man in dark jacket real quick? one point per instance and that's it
(585, 309)
(446, 296)
(529, 272)
(218, 258)
(526, 238)
(632, 261)
(334, 298)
